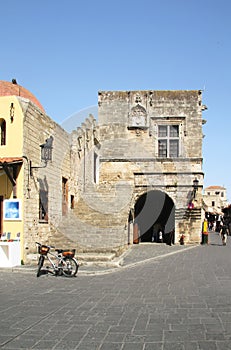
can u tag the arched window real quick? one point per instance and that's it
(3, 131)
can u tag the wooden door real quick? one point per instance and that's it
(64, 196)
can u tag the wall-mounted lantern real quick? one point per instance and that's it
(46, 150)
(46, 154)
(195, 187)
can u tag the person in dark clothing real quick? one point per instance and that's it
(224, 233)
(170, 237)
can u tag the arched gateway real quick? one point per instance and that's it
(153, 211)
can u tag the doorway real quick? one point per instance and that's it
(64, 196)
(154, 211)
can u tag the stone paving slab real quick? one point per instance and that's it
(178, 300)
(134, 255)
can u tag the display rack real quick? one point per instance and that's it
(10, 254)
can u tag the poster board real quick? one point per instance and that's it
(12, 209)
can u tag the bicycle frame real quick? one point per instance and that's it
(62, 262)
(57, 258)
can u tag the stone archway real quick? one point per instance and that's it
(153, 210)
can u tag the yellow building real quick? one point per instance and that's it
(29, 181)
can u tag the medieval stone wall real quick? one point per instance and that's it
(37, 128)
(115, 161)
(112, 163)
(129, 136)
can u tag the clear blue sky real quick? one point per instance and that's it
(64, 52)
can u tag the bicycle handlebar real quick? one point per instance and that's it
(49, 246)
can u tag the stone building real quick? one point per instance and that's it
(109, 183)
(136, 169)
(216, 206)
(215, 199)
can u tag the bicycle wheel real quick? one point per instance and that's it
(70, 267)
(40, 265)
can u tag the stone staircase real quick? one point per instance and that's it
(86, 258)
(93, 230)
(192, 218)
(98, 237)
(98, 259)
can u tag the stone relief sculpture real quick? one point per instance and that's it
(137, 117)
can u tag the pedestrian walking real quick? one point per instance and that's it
(170, 237)
(160, 236)
(224, 233)
(214, 226)
(205, 232)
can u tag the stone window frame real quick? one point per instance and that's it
(169, 120)
(170, 142)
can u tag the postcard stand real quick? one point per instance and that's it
(9, 253)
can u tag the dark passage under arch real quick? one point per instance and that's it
(154, 210)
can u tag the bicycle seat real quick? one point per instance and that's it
(69, 253)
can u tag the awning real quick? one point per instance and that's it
(10, 165)
(212, 210)
(10, 160)
(219, 212)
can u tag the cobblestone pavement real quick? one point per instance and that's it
(177, 298)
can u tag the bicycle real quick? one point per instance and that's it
(60, 263)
